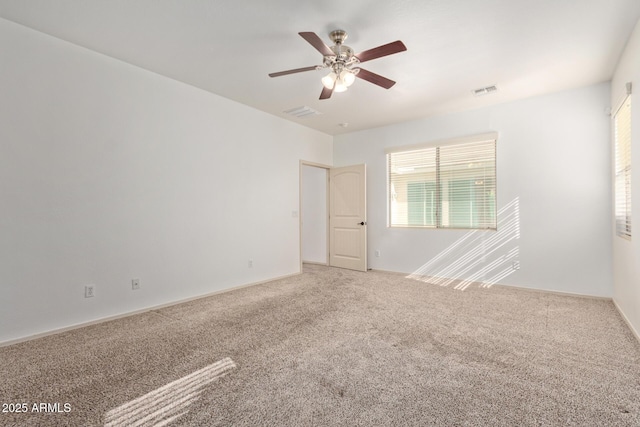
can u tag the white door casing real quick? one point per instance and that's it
(348, 218)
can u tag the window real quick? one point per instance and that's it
(622, 146)
(452, 185)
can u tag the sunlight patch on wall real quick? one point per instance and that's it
(479, 256)
(166, 404)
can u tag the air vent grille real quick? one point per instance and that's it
(485, 90)
(303, 112)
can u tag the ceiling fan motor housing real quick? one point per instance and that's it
(338, 36)
(343, 52)
(345, 56)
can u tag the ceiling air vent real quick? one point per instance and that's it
(485, 90)
(303, 112)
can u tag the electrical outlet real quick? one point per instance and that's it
(89, 291)
(250, 263)
(377, 254)
(135, 284)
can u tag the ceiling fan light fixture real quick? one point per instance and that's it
(347, 77)
(329, 80)
(338, 82)
(340, 87)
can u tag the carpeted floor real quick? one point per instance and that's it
(337, 347)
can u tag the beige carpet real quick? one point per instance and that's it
(336, 347)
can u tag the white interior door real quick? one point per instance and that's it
(348, 217)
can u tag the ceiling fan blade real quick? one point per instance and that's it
(317, 42)
(380, 51)
(374, 78)
(326, 93)
(296, 70)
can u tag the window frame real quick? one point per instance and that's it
(623, 227)
(489, 137)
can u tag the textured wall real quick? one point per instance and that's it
(109, 172)
(553, 166)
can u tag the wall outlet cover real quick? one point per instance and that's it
(89, 291)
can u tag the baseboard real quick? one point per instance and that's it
(561, 293)
(399, 273)
(316, 263)
(157, 307)
(524, 288)
(626, 319)
(133, 313)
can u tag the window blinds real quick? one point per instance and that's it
(447, 186)
(622, 137)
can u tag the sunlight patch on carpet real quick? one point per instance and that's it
(169, 402)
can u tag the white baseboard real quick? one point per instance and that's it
(562, 293)
(524, 288)
(157, 307)
(626, 319)
(133, 313)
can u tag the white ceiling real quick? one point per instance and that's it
(525, 47)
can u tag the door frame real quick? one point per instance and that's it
(326, 168)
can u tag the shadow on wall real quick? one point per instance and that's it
(483, 257)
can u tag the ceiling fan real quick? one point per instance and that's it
(344, 63)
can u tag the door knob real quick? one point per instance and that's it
(362, 223)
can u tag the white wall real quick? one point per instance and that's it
(626, 254)
(314, 214)
(109, 172)
(553, 159)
